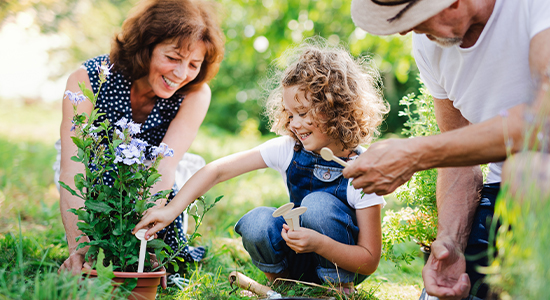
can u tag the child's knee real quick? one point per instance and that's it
(258, 225)
(320, 206)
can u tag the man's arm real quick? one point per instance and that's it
(388, 164)
(457, 199)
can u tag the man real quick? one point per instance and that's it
(486, 64)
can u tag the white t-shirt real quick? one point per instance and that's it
(491, 76)
(277, 154)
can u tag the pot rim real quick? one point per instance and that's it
(119, 274)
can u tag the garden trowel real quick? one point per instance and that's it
(249, 284)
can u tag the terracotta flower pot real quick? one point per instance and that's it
(146, 286)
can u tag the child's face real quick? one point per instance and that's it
(302, 125)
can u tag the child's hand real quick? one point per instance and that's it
(156, 218)
(303, 240)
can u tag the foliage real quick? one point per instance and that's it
(520, 268)
(417, 221)
(257, 32)
(23, 276)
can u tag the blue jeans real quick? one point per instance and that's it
(326, 214)
(478, 243)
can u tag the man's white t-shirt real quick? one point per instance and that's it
(491, 76)
(277, 153)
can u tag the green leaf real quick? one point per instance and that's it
(78, 142)
(152, 179)
(83, 215)
(98, 206)
(129, 284)
(83, 226)
(80, 182)
(132, 260)
(175, 265)
(117, 231)
(104, 274)
(89, 94)
(157, 244)
(68, 188)
(140, 206)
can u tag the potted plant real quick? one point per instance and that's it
(111, 211)
(417, 220)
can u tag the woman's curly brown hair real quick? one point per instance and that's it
(152, 22)
(345, 101)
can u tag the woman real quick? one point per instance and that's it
(162, 59)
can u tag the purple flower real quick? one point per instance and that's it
(103, 71)
(75, 98)
(162, 150)
(92, 133)
(122, 123)
(120, 134)
(129, 154)
(134, 128)
(139, 144)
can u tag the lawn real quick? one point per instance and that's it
(32, 244)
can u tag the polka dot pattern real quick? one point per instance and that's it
(114, 102)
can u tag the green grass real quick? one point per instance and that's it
(32, 252)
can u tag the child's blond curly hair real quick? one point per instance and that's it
(345, 101)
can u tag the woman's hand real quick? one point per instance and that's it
(303, 240)
(75, 262)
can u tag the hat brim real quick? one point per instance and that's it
(373, 18)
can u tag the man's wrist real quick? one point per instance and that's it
(459, 240)
(427, 151)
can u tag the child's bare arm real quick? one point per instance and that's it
(213, 173)
(362, 258)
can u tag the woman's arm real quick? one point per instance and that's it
(68, 170)
(181, 133)
(362, 258)
(213, 173)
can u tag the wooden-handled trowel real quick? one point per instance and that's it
(249, 284)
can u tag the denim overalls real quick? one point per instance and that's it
(318, 185)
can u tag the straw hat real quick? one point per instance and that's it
(384, 17)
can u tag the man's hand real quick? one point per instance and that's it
(384, 166)
(75, 262)
(444, 273)
(303, 240)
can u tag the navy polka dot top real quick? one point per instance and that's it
(114, 101)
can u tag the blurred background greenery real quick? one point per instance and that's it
(257, 32)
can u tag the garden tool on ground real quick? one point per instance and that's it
(179, 281)
(249, 284)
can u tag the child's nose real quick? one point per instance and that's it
(295, 124)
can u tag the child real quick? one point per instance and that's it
(324, 99)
